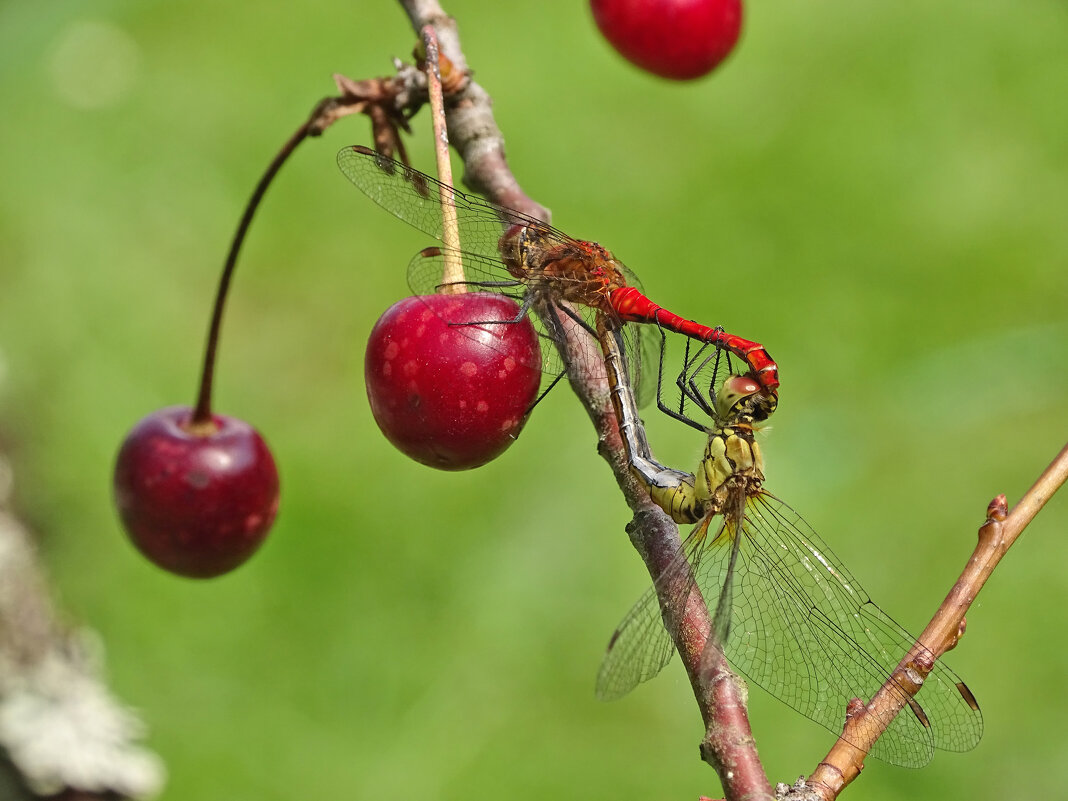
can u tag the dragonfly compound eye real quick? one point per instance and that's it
(735, 389)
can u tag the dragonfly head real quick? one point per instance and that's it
(513, 249)
(741, 399)
(524, 247)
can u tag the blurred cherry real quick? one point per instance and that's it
(196, 499)
(679, 39)
(197, 492)
(452, 396)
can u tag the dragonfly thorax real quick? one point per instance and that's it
(732, 459)
(576, 271)
(514, 247)
(732, 464)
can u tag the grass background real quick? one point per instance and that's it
(878, 194)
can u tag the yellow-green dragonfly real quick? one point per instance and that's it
(786, 613)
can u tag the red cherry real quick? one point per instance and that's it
(197, 500)
(679, 39)
(450, 396)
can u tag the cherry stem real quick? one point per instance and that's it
(453, 278)
(378, 98)
(202, 413)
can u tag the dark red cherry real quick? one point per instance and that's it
(452, 396)
(197, 500)
(678, 39)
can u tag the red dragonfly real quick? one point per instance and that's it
(506, 251)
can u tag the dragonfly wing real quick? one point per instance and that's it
(642, 345)
(803, 629)
(416, 198)
(723, 575)
(480, 274)
(641, 644)
(639, 649)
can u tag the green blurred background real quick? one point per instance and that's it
(878, 194)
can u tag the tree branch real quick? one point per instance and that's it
(866, 723)
(728, 744)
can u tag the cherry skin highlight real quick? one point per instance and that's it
(195, 500)
(452, 396)
(680, 39)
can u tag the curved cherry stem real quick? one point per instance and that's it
(384, 101)
(202, 412)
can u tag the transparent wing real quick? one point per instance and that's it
(638, 649)
(415, 197)
(803, 629)
(641, 644)
(641, 345)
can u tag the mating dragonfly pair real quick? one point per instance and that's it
(786, 614)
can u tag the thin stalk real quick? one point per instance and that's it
(453, 277)
(202, 412)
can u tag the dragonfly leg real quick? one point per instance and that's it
(554, 326)
(578, 319)
(546, 391)
(475, 286)
(524, 307)
(678, 415)
(482, 284)
(690, 388)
